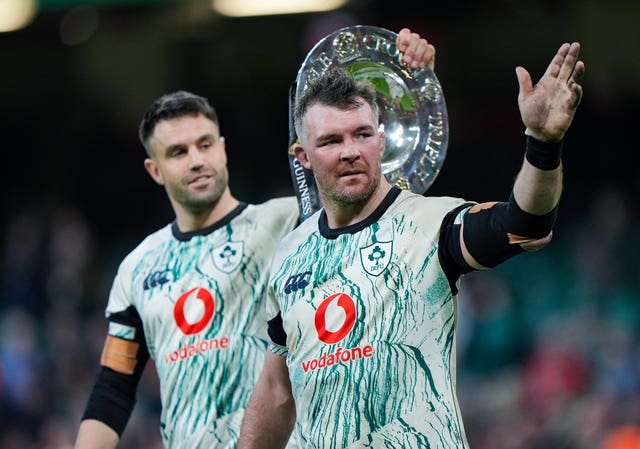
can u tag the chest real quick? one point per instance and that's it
(383, 283)
(208, 285)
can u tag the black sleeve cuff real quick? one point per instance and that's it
(276, 331)
(449, 249)
(112, 399)
(543, 155)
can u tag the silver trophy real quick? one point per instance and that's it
(413, 112)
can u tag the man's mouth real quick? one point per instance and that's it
(201, 179)
(352, 171)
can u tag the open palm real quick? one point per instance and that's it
(547, 108)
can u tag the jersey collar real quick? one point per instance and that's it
(329, 233)
(185, 236)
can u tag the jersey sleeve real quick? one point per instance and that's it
(120, 298)
(449, 248)
(286, 217)
(124, 356)
(285, 214)
(277, 334)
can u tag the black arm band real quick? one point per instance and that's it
(450, 251)
(485, 236)
(114, 394)
(112, 399)
(276, 330)
(543, 155)
(524, 224)
(492, 234)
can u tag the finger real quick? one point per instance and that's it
(432, 61)
(567, 67)
(424, 55)
(553, 69)
(524, 81)
(402, 41)
(576, 90)
(411, 54)
(578, 73)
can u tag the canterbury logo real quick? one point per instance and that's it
(297, 282)
(157, 279)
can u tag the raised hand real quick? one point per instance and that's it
(547, 109)
(416, 51)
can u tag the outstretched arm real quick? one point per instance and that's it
(525, 222)
(547, 110)
(270, 414)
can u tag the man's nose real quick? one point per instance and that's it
(196, 158)
(350, 151)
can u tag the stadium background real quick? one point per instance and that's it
(549, 344)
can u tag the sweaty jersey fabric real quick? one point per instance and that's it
(201, 298)
(370, 321)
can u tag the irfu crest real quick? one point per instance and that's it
(228, 256)
(376, 257)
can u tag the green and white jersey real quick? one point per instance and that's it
(201, 297)
(370, 318)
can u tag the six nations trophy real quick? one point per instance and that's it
(413, 113)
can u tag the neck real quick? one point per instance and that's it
(189, 221)
(341, 214)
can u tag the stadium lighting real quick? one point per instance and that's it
(244, 8)
(16, 14)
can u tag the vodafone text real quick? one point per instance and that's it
(196, 348)
(340, 355)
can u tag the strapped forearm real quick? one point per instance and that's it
(122, 363)
(112, 399)
(494, 232)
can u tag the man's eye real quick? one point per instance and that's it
(206, 144)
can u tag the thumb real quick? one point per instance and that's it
(524, 81)
(402, 41)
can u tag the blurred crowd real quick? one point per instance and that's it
(548, 344)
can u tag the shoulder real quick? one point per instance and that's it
(149, 244)
(301, 233)
(285, 204)
(413, 203)
(279, 211)
(426, 212)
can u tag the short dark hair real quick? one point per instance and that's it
(173, 105)
(338, 88)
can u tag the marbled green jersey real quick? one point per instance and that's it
(370, 317)
(200, 297)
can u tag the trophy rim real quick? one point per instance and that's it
(369, 52)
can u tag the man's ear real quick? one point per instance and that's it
(302, 157)
(152, 168)
(223, 147)
(383, 142)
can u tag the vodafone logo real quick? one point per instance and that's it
(194, 310)
(335, 318)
